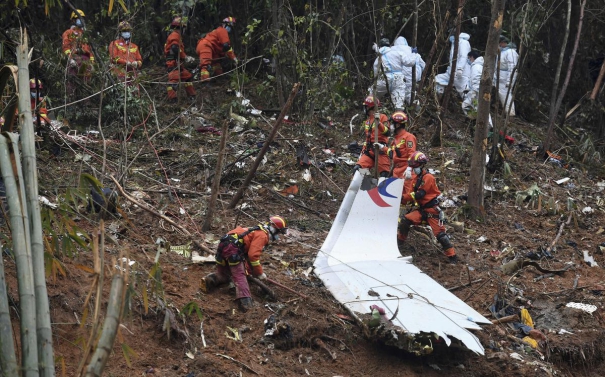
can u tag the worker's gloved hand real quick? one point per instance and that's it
(235, 60)
(189, 59)
(441, 217)
(72, 63)
(375, 47)
(377, 115)
(262, 276)
(414, 50)
(408, 173)
(379, 145)
(458, 73)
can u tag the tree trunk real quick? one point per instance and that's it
(454, 63)
(553, 97)
(429, 61)
(477, 173)
(8, 359)
(30, 177)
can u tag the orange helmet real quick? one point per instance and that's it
(177, 22)
(417, 159)
(32, 84)
(229, 21)
(399, 116)
(279, 223)
(371, 102)
(124, 26)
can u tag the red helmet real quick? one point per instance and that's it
(371, 102)
(229, 21)
(279, 223)
(177, 22)
(399, 116)
(32, 84)
(417, 159)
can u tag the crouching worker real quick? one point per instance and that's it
(422, 192)
(238, 255)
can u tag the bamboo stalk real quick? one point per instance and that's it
(110, 328)
(27, 299)
(216, 182)
(8, 360)
(30, 178)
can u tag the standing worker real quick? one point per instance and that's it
(78, 52)
(393, 61)
(404, 145)
(214, 47)
(422, 192)
(471, 98)
(508, 61)
(238, 248)
(463, 71)
(125, 56)
(375, 119)
(38, 103)
(401, 45)
(174, 51)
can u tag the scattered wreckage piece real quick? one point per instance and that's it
(360, 255)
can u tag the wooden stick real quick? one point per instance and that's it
(237, 362)
(286, 288)
(238, 195)
(464, 285)
(323, 346)
(554, 242)
(263, 286)
(216, 182)
(507, 319)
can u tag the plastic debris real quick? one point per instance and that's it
(562, 180)
(585, 307)
(589, 259)
(563, 332)
(481, 239)
(292, 190)
(516, 356)
(44, 200)
(587, 210)
(307, 175)
(184, 250)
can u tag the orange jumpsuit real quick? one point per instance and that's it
(212, 47)
(76, 48)
(366, 160)
(39, 108)
(122, 52)
(404, 145)
(422, 191)
(254, 242)
(174, 64)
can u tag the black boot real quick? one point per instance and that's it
(207, 283)
(244, 304)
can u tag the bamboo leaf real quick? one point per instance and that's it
(121, 2)
(57, 267)
(110, 7)
(84, 317)
(145, 300)
(128, 352)
(84, 268)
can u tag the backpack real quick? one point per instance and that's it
(231, 247)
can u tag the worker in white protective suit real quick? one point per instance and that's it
(401, 45)
(470, 103)
(463, 70)
(508, 61)
(392, 63)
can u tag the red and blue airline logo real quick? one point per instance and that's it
(377, 193)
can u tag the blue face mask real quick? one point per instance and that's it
(33, 94)
(417, 171)
(452, 39)
(79, 22)
(126, 35)
(228, 28)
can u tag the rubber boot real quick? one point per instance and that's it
(453, 259)
(244, 303)
(207, 283)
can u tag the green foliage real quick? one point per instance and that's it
(192, 307)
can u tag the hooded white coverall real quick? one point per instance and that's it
(470, 99)
(393, 62)
(401, 45)
(463, 71)
(508, 61)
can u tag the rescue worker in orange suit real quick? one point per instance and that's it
(375, 119)
(38, 103)
(422, 192)
(215, 46)
(124, 55)
(238, 255)
(404, 145)
(78, 52)
(174, 51)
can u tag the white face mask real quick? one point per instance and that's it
(126, 35)
(79, 22)
(417, 171)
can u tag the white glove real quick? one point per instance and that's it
(189, 59)
(379, 145)
(408, 173)
(132, 64)
(377, 115)
(235, 60)
(375, 47)
(458, 73)
(72, 63)
(262, 276)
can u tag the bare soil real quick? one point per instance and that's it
(321, 340)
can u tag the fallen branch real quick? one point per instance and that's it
(554, 242)
(237, 362)
(507, 319)
(147, 208)
(286, 288)
(323, 346)
(464, 285)
(263, 286)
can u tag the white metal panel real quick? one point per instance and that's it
(360, 255)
